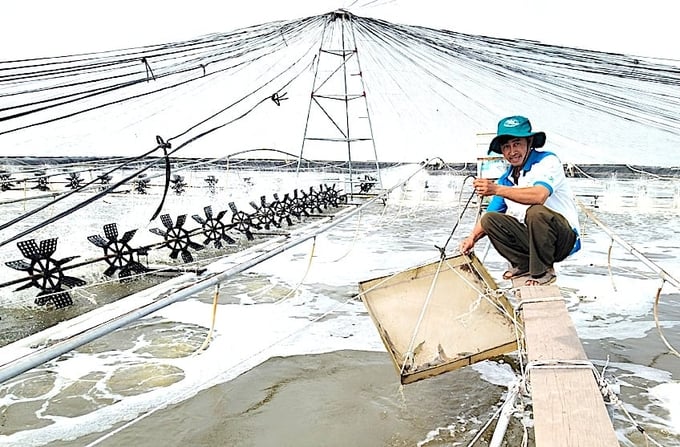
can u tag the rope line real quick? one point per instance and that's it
(658, 325)
(208, 337)
(409, 355)
(355, 237)
(309, 266)
(442, 249)
(662, 274)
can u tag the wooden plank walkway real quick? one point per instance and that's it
(568, 407)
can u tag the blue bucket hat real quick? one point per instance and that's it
(515, 127)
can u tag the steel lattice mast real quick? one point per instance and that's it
(338, 113)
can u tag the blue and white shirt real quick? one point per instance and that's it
(544, 169)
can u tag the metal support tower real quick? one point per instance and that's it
(338, 123)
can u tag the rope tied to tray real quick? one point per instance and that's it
(492, 296)
(409, 355)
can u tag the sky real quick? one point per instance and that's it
(35, 28)
(31, 28)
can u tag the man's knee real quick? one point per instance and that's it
(535, 212)
(487, 218)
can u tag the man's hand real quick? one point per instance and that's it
(485, 187)
(466, 245)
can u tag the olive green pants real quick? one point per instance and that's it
(545, 238)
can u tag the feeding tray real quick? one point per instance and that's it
(459, 324)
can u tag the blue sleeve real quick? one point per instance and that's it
(497, 204)
(546, 185)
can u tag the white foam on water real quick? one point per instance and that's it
(496, 373)
(669, 395)
(244, 337)
(641, 371)
(249, 333)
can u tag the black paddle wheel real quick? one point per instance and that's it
(298, 205)
(242, 221)
(118, 253)
(6, 181)
(213, 228)
(74, 181)
(178, 184)
(42, 182)
(281, 208)
(177, 239)
(141, 184)
(265, 214)
(45, 272)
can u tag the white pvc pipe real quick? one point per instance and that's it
(504, 417)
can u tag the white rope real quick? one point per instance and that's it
(379, 222)
(609, 263)
(309, 266)
(578, 168)
(351, 246)
(485, 293)
(658, 325)
(640, 171)
(410, 355)
(208, 337)
(611, 398)
(400, 201)
(632, 250)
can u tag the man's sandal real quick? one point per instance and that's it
(545, 279)
(515, 272)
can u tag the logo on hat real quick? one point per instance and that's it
(512, 122)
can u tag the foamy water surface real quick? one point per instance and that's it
(113, 389)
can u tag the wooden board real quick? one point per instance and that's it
(568, 407)
(457, 326)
